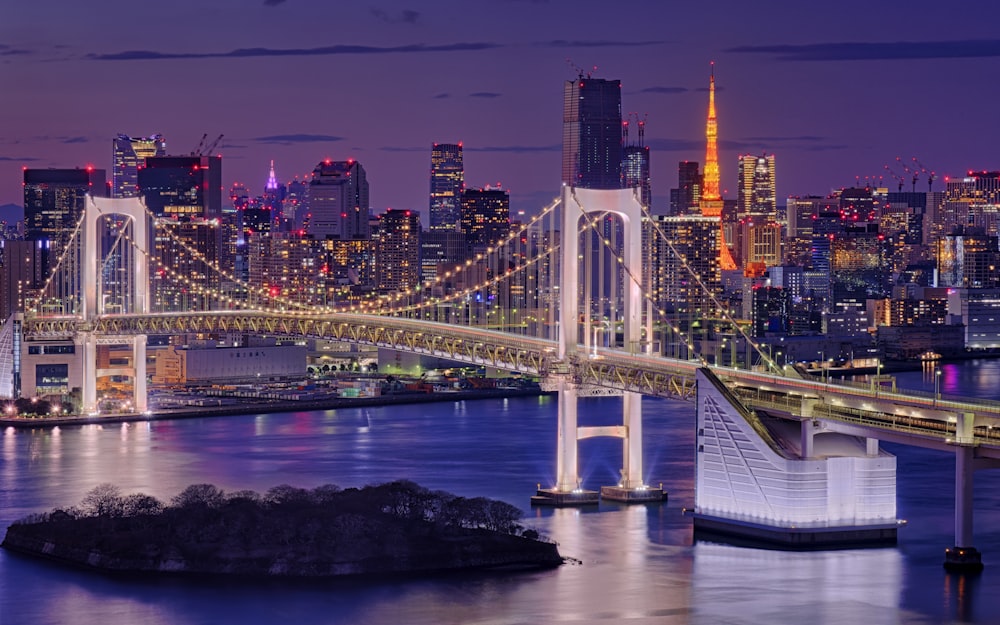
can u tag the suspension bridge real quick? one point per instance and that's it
(780, 457)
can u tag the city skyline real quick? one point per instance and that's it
(834, 92)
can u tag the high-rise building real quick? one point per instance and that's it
(182, 187)
(191, 251)
(685, 265)
(130, 155)
(758, 237)
(686, 198)
(592, 133)
(447, 184)
(971, 201)
(54, 201)
(338, 201)
(397, 251)
(756, 189)
(485, 217)
(635, 162)
(711, 203)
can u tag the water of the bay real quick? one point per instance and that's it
(638, 564)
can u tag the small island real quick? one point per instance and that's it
(394, 528)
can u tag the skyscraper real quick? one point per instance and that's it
(397, 251)
(592, 133)
(485, 217)
(54, 200)
(687, 199)
(338, 201)
(756, 190)
(635, 163)
(130, 155)
(758, 235)
(711, 203)
(447, 184)
(182, 187)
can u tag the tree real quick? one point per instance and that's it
(103, 500)
(208, 495)
(141, 504)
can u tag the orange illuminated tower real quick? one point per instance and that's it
(711, 199)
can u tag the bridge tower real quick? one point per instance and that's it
(92, 291)
(576, 204)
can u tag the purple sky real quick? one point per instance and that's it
(835, 89)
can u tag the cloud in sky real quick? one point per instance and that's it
(297, 138)
(151, 55)
(19, 159)
(442, 96)
(484, 94)
(406, 16)
(869, 51)
(273, 3)
(6, 50)
(596, 43)
(74, 140)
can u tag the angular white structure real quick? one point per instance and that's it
(752, 480)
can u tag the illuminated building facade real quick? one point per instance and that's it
(181, 277)
(758, 234)
(756, 193)
(968, 261)
(286, 265)
(695, 243)
(54, 201)
(635, 161)
(485, 217)
(182, 187)
(971, 201)
(592, 133)
(338, 201)
(130, 154)
(397, 251)
(447, 184)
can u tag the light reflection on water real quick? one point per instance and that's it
(637, 564)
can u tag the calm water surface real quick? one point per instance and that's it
(639, 564)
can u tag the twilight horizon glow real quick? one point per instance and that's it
(835, 92)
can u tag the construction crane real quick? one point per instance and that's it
(201, 144)
(930, 175)
(899, 179)
(211, 147)
(909, 172)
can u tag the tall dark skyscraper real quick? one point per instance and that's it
(130, 155)
(635, 160)
(182, 187)
(592, 133)
(54, 200)
(447, 184)
(485, 217)
(687, 199)
(338, 201)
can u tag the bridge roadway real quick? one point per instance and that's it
(912, 417)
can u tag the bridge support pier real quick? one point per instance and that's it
(567, 491)
(963, 557)
(88, 390)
